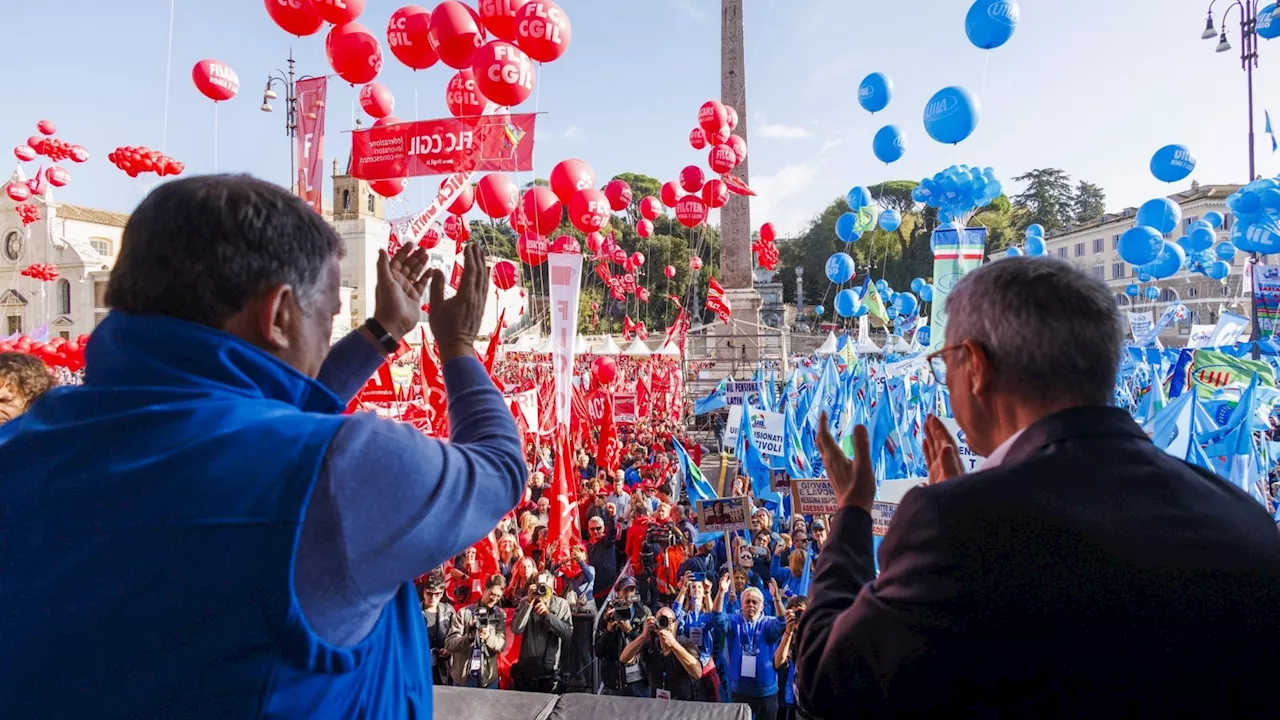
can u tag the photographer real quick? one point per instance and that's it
(784, 658)
(621, 623)
(661, 555)
(602, 554)
(671, 665)
(543, 619)
(439, 618)
(476, 638)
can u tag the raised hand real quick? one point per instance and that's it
(940, 452)
(853, 480)
(398, 295)
(456, 322)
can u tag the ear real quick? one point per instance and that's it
(277, 312)
(981, 371)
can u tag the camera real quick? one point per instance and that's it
(542, 590)
(481, 614)
(664, 622)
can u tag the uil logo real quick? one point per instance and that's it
(1006, 12)
(865, 92)
(900, 142)
(940, 108)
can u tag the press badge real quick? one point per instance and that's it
(634, 673)
(695, 634)
(748, 666)
(663, 694)
(475, 660)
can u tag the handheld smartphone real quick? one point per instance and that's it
(699, 577)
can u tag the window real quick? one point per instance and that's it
(1226, 290)
(1122, 300)
(98, 317)
(64, 297)
(1226, 221)
(1097, 245)
(1117, 271)
(1133, 271)
(369, 202)
(1186, 221)
(99, 293)
(346, 200)
(1080, 249)
(1062, 251)
(1115, 242)
(1192, 292)
(1099, 272)
(1168, 295)
(64, 334)
(102, 246)
(15, 324)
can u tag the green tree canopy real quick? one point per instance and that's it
(1090, 202)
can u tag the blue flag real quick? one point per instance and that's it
(1269, 131)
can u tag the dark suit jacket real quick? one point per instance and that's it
(1091, 574)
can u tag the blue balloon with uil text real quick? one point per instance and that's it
(840, 268)
(1143, 275)
(862, 310)
(882, 285)
(1168, 262)
(1225, 251)
(924, 335)
(889, 144)
(905, 303)
(844, 227)
(1034, 230)
(1257, 217)
(1162, 214)
(990, 23)
(1268, 22)
(1218, 270)
(1132, 290)
(1035, 245)
(875, 92)
(1200, 236)
(1140, 245)
(1152, 293)
(858, 197)
(1172, 163)
(847, 303)
(951, 115)
(916, 284)
(1214, 218)
(890, 220)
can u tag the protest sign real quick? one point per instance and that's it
(813, 496)
(767, 431)
(737, 393)
(731, 428)
(779, 481)
(881, 516)
(624, 408)
(724, 514)
(969, 460)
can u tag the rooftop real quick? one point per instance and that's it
(1196, 193)
(91, 215)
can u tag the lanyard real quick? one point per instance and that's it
(750, 630)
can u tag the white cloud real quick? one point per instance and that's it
(782, 132)
(831, 145)
(784, 198)
(571, 132)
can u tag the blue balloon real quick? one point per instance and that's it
(906, 303)
(875, 92)
(1269, 22)
(1218, 270)
(1014, 251)
(819, 310)
(1214, 218)
(858, 197)
(1172, 163)
(1035, 230)
(1162, 214)
(1143, 275)
(844, 227)
(990, 23)
(926, 293)
(1140, 245)
(1168, 262)
(951, 115)
(840, 268)
(889, 296)
(890, 220)
(1225, 251)
(862, 310)
(1132, 290)
(1152, 293)
(1035, 245)
(916, 284)
(1200, 238)
(847, 303)
(889, 144)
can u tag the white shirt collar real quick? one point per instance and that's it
(996, 458)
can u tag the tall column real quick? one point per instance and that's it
(736, 262)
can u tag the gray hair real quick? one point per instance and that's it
(753, 591)
(1052, 332)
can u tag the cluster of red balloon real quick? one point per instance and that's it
(44, 272)
(44, 144)
(138, 160)
(766, 252)
(27, 213)
(58, 352)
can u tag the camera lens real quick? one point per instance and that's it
(664, 622)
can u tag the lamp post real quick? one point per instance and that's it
(1248, 12)
(285, 80)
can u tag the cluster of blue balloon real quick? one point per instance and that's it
(1032, 244)
(1144, 245)
(958, 191)
(1257, 210)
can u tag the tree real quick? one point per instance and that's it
(896, 195)
(1090, 202)
(536, 182)
(1047, 199)
(641, 186)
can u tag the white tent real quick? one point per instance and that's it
(669, 350)
(608, 347)
(637, 347)
(546, 348)
(829, 346)
(581, 347)
(523, 345)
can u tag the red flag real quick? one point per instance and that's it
(432, 388)
(379, 389)
(495, 340)
(717, 302)
(608, 448)
(563, 524)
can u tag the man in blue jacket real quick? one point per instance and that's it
(198, 531)
(751, 639)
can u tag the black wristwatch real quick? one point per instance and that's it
(388, 343)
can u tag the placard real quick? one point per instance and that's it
(881, 516)
(731, 428)
(767, 431)
(624, 408)
(779, 481)
(736, 393)
(969, 460)
(813, 496)
(724, 514)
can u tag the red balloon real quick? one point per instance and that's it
(407, 37)
(25, 153)
(463, 97)
(589, 209)
(719, 137)
(388, 188)
(722, 159)
(650, 208)
(695, 263)
(669, 271)
(732, 116)
(637, 259)
(607, 245)
(455, 34)
(57, 176)
(595, 241)
(215, 80)
(570, 176)
(497, 195)
(499, 17)
(504, 274)
(691, 211)
(462, 204)
(36, 142)
(712, 116)
(619, 194)
(353, 53)
(338, 12)
(542, 209)
(532, 248)
(17, 192)
(670, 193)
(543, 30)
(604, 369)
(388, 120)
(503, 73)
(36, 184)
(739, 149)
(79, 154)
(566, 244)
(768, 233)
(691, 178)
(296, 17)
(715, 193)
(644, 228)
(46, 127)
(698, 138)
(376, 99)
(455, 228)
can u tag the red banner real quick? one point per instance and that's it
(624, 408)
(486, 143)
(310, 137)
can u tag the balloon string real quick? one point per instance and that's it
(982, 89)
(168, 66)
(215, 137)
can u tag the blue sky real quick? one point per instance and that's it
(1090, 86)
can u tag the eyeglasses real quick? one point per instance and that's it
(938, 364)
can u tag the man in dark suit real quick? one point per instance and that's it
(1082, 572)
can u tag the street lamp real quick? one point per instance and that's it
(285, 80)
(1248, 61)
